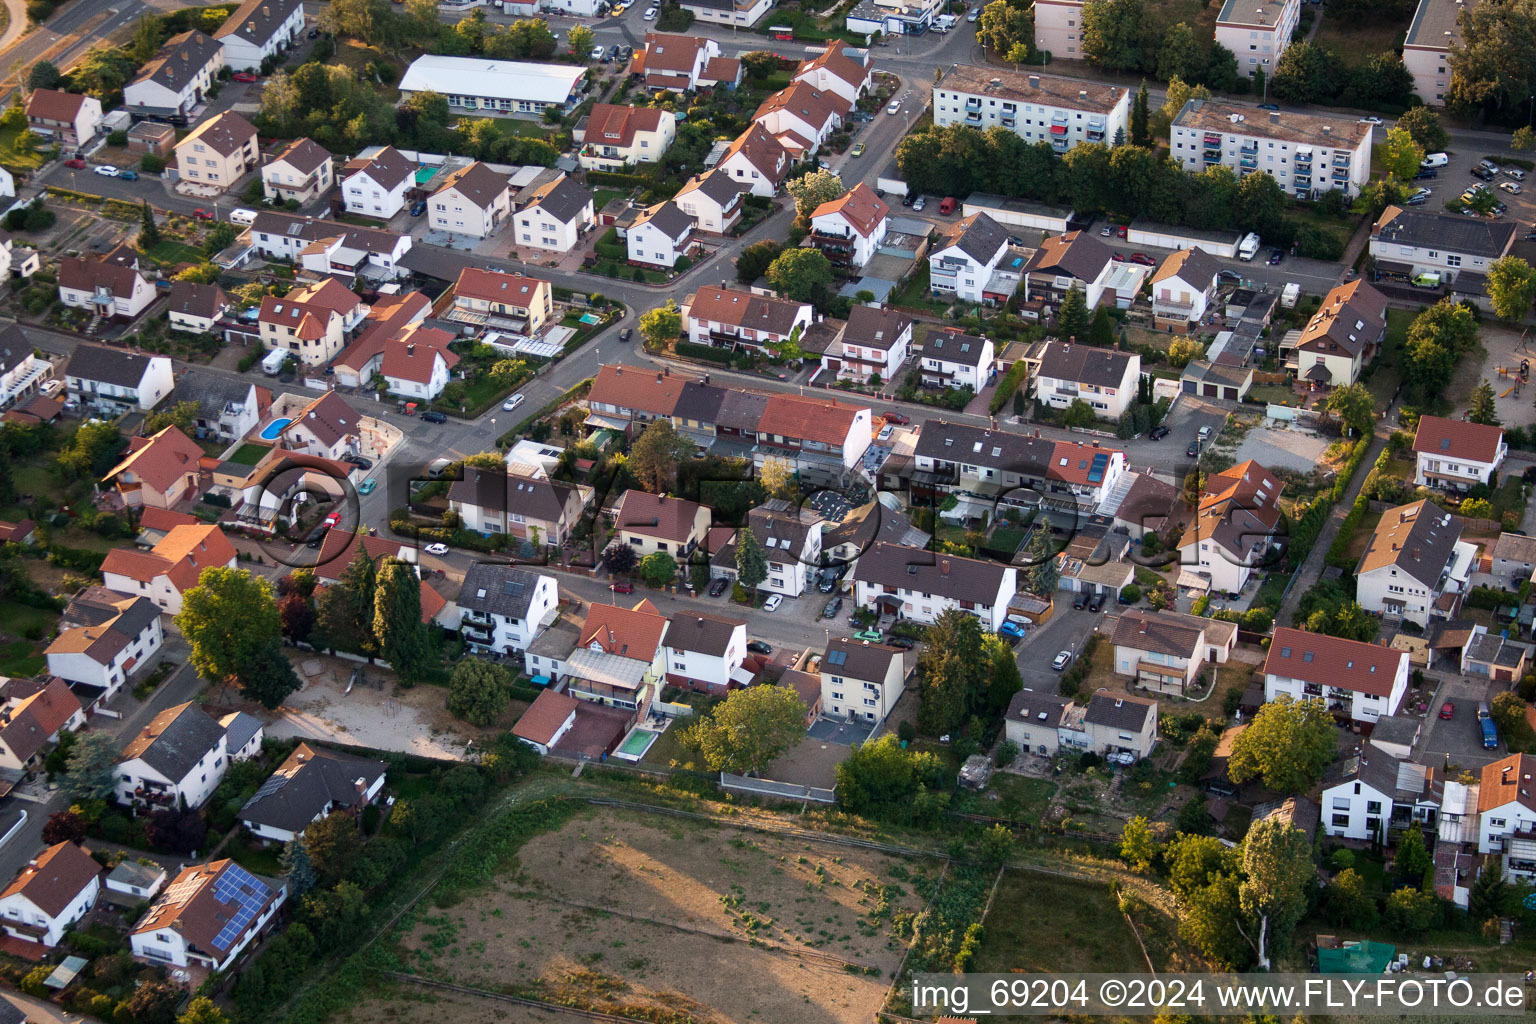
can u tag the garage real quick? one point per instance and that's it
(1020, 213)
(1165, 236)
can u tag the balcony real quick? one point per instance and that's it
(1212, 141)
(1249, 162)
(1301, 180)
(473, 618)
(1248, 147)
(1095, 134)
(973, 103)
(1303, 158)
(1060, 144)
(1341, 161)
(1008, 121)
(973, 117)
(1059, 120)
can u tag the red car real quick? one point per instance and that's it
(245, 76)
(1118, 257)
(622, 588)
(897, 418)
(1448, 711)
(332, 519)
(1120, 231)
(201, 214)
(1143, 259)
(76, 163)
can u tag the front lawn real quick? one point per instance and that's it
(1386, 369)
(249, 454)
(24, 620)
(1356, 40)
(21, 659)
(12, 158)
(258, 860)
(169, 252)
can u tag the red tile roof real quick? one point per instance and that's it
(836, 63)
(652, 515)
(617, 125)
(160, 461)
(181, 557)
(808, 418)
(630, 387)
(497, 286)
(1457, 439)
(1507, 781)
(36, 718)
(1333, 661)
(745, 310)
(627, 632)
(861, 208)
(760, 149)
(191, 906)
(413, 356)
(54, 105)
(55, 879)
(544, 717)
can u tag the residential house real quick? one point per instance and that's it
(544, 660)
(207, 916)
(473, 200)
(1359, 681)
(873, 345)
(1370, 794)
(1306, 154)
(389, 318)
(851, 227)
(705, 652)
(1113, 725)
(821, 439)
(861, 681)
(502, 608)
(1415, 565)
(683, 63)
(953, 360)
(311, 322)
(982, 466)
(504, 301)
(140, 882)
(628, 398)
(416, 364)
(227, 408)
(660, 235)
(534, 509)
(651, 523)
(197, 308)
(1513, 558)
(790, 538)
(109, 290)
(1235, 529)
(618, 658)
(31, 724)
(554, 216)
(112, 380)
(1456, 455)
(1167, 651)
(548, 719)
(757, 159)
(921, 585)
(327, 247)
(614, 137)
(1183, 288)
(1106, 379)
(302, 172)
(171, 568)
(1494, 656)
(845, 540)
(962, 262)
(53, 892)
(1342, 336)
(242, 735)
(1506, 805)
(310, 784)
(481, 87)
(1064, 112)
(714, 200)
(159, 471)
(1033, 722)
(376, 185)
(727, 318)
(174, 84)
(179, 756)
(67, 119)
(801, 117)
(841, 70)
(736, 13)
(1432, 34)
(1076, 259)
(327, 427)
(260, 31)
(22, 369)
(1257, 33)
(23, 531)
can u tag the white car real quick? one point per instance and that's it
(106, 170)
(974, 15)
(651, 12)
(436, 549)
(894, 108)
(512, 403)
(1510, 187)
(772, 604)
(51, 385)
(1370, 120)
(1425, 192)
(919, 203)
(1061, 660)
(596, 54)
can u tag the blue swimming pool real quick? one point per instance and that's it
(270, 432)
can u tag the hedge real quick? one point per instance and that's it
(619, 179)
(1007, 386)
(689, 350)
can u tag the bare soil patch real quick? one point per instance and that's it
(691, 895)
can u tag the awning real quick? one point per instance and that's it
(1058, 129)
(606, 422)
(1319, 372)
(541, 680)
(741, 675)
(1389, 267)
(1194, 581)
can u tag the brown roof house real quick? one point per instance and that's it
(649, 523)
(54, 891)
(1415, 564)
(207, 915)
(537, 510)
(547, 720)
(861, 681)
(1456, 455)
(30, 724)
(159, 471)
(104, 638)
(68, 119)
(850, 228)
(758, 160)
(1166, 651)
(727, 318)
(109, 291)
(303, 171)
(707, 652)
(473, 201)
(219, 152)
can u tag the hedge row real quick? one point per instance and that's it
(689, 350)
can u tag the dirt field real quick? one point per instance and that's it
(703, 896)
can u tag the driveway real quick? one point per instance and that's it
(1067, 630)
(1460, 738)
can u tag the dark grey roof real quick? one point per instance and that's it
(701, 632)
(1372, 766)
(668, 218)
(239, 729)
(15, 346)
(10, 1013)
(1470, 236)
(1042, 709)
(1120, 711)
(563, 200)
(193, 299)
(1494, 650)
(780, 526)
(107, 365)
(962, 349)
(978, 236)
(175, 740)
(309, 229)
(304, 785)
(510, 492)
(995, 449)
(496, 589)
(1401, 730)
(963, 579)
(257, 21)
(131, 872)
(1084, 364)
(719, 186)
(869, 327)
(741, 410)
(213, 393)
(179, 60)
(859, 659)
(699, 402)
(873, 523)
(1145, 631)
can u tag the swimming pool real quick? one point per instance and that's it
(591, 318)
(270, 432)
(636, 744)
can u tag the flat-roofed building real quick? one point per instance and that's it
(1036, 108)
(1307, 154)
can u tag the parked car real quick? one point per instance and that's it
(622, 587)
(833, 607)
(367, 486)
(947, 205)
(1229, 277)
(1097, 604)
(1425, 173)
(436, 549)
(772, 604)
(1157, 433)
(1484, 173)
(418, 208)
(1204, 434)
(1515, 172)
(1061, 661)
(918, 204)
(1193, 450)
(512, 403)
(857, 150)
(1142, 259)
(1276, 256)
(597, 53)
(872, 635)
(1080, 601)
(1373, 119)
(1118, 257)
(76, 164)
(1107, 230)
(626, 334)
(1416, 200)
(360, 461)
(758, 647)
(900, 643)
(433, 417)
(1010, 629)
(894, 107)
(651, 12)
(897, 418)
(128, 175)
(106, 170)
(717, 587)
(909, 199)
(201, 214)
(885, 433)
(315, 537)
(974, 14)
(1513, 188)
(826, 585)
(245, 76)
(1447, 711)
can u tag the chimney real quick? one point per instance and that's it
(658, 376)
(1082, 94)
(410, 349)
(1034, 81)
(943, 567)
(1327, 129)
(1274, 117)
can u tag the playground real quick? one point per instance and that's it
(1510, 366)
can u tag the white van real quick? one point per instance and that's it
(1248, 248)
(1434, 160)
(272, 362)
(245, 218)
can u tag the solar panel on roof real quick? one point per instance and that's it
(1096, 472)
(512, 588)
(837, 658)
(237, 888)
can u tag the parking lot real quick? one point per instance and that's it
(1458, 738)
(1295, 449)
(1067, 630)
(1456, 177)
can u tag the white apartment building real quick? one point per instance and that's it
(374, 185)
(175, 82)
(873, 341)
(705, 652)
(850, 228)
(1236, 528)
(861, 681)
(1307, 154)
(1036, 108)
(616, 137)
(1435, 29)
(1257, 32)
(921, 585)
(1359, 681)
(52, 892)
(950, 359)
(503, 607)
(1059, 27)
(964, 260)
(484, 87)
(179, 756)
(258, 30)
(303, 171)
(660, 235)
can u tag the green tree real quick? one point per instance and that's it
(1507, 710)
(1409, 912)
(1211, 920)
(269, 678)
(1400, 155)
(44, 75)
(750, 729)
(478, 691)
(397, 624)
(1511, 287)
(1412, 856)
(1354, 406)
(1346, 902)
(881, 780)
(202, 1010)
(1138, 846)
(801, 275)
(1424, 125)
(297, 868)
(149, 231)
(1002, 26)
(1112, 34)
(1177, 93)
(344, 610)
(152, 1002)
(1073, 320)
(996, 847)
(656, 454)
(182, 416)
(1003, 676)
(1277, 874)
(1288, 746)
(952, 673)
(1483, 409)
(1041, 575)
(1524, 139)
(92, 450)
(1141, 118)
(580, 38)
(751, 566)
(88, 770)
(1306, 73)
(1485, 900)
(661, 325)
(229, 620)
(334, 846)
(658, 568)
(1192, 861)
(1180, 53)
(1101, 332)
(811, 190)
(1494, 66)
(756, 258)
